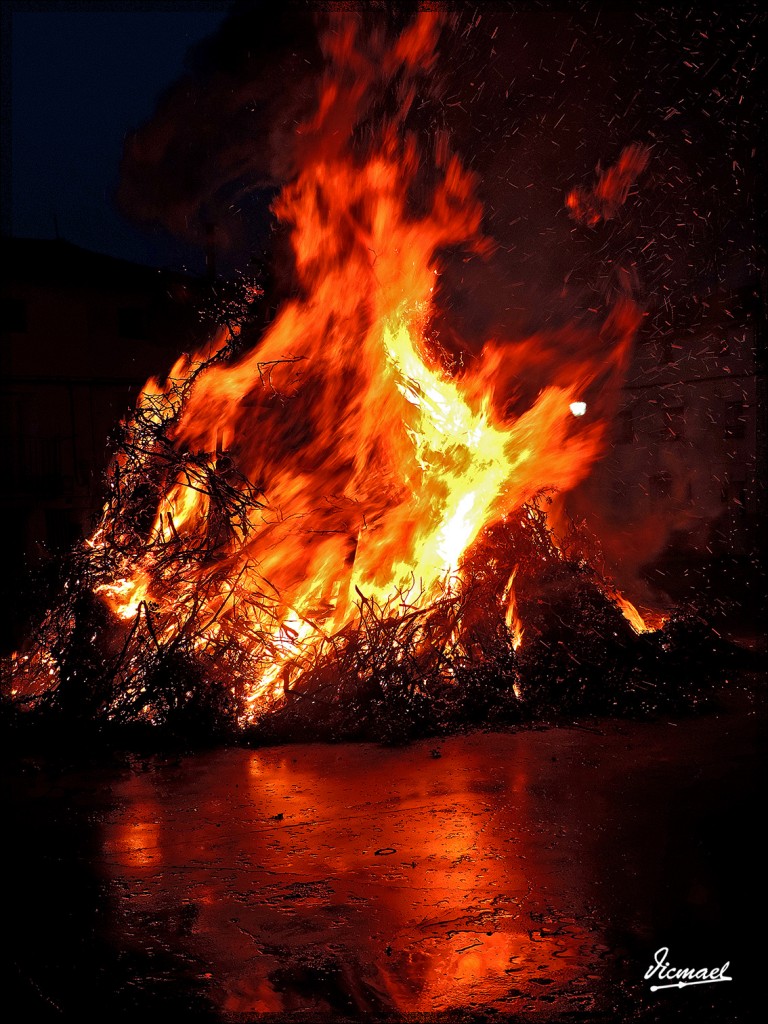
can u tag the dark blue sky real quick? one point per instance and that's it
(564, 92)
(80, 77)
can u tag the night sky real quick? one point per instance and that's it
(190, 117)
(81, 76)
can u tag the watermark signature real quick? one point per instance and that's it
(682, 977)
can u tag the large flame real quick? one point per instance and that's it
(376, 465)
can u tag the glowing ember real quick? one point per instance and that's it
(578, 408)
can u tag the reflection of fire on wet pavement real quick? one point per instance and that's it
(351, 897)
(363, 879)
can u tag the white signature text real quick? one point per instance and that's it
(680, 977)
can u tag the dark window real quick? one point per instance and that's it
(13, 316)
(619, 494)
(661, 487)
(674, 423)
(667, 351)
(734, 492)
(735, 419)
(626, 427)
(132, 322)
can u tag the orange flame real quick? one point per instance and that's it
(512, 619)
(642, 622)
(377, 466)
(611, 188)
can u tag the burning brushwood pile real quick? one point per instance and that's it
(347, 527)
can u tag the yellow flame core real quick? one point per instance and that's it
(457, 466)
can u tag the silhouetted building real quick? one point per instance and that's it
(81, 333)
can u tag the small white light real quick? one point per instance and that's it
(578, 408)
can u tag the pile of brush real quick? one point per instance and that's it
(393, 674)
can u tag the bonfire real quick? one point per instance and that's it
(346, 526)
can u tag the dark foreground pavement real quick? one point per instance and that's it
(528, 875)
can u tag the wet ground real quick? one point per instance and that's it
(528, 875)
